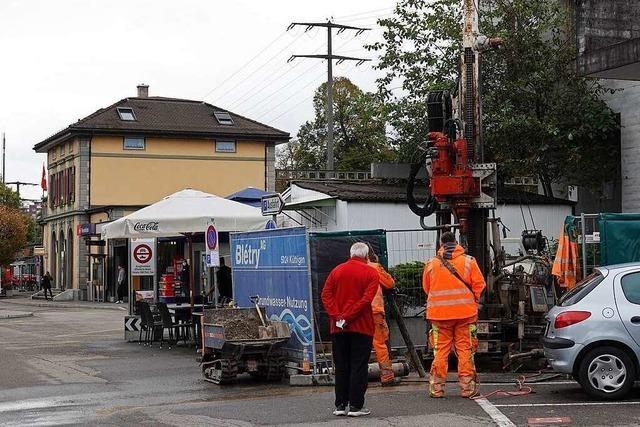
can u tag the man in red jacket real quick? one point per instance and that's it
(347, 296)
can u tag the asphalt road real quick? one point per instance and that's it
(71, 367)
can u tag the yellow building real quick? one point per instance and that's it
(131, 154)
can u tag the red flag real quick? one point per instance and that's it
(43, 181)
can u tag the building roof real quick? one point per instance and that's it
(167, 117)
(396, 193)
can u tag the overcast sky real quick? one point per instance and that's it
(62, 60)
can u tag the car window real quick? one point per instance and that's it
(631, 287)
(582, 289)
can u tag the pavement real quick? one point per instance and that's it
(25, 300)
(72, 367)
(13, 314)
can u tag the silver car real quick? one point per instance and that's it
(594, 331)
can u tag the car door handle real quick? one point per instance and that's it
(635, 320)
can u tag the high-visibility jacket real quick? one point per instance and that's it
(566, 265)
(447, 297)
(387, 282)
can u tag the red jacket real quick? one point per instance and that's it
(347, 294)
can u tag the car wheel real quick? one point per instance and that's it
(606, 373)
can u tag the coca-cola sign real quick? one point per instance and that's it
(146, 226)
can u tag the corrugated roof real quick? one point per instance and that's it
(167, 116)
(396, 193)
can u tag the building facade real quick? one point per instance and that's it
(131, 154)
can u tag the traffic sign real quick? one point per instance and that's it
(271, 204)
(142, 253)
(212, 254)
(143, 257)
(271, 225)
(212, 237)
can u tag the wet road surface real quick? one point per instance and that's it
(72, 367)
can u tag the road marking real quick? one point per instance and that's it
(519, 405)
(87, 333)
(532, 383)
(496, 415)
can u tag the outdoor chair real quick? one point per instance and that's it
(168, 323)
(149, 323)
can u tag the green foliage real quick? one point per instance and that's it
(359, 131)
(8, 197)
(408, 277)
(539, 117)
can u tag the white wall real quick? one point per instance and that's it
(548, 218)
(625, 102)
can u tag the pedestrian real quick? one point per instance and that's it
(46, 285)
(225, 288)
(381, 334)
(122, 287)
(184, 279)
(347, 295)
(453, 284)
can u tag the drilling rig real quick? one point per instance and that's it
(462, 192)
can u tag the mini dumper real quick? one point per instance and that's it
(239, 340)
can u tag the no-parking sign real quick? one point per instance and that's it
(143, 257)
(212, 244)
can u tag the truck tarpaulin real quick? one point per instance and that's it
(619, 238)
(330, 249)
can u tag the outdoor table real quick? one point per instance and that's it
(182, 313)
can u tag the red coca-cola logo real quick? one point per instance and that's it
(146, 226)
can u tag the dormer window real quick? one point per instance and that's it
(126, 114)
(223, 118)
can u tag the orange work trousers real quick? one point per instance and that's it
(380, 338)
(445, 334)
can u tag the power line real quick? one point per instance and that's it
(251, 93)
(270, 84)
(270, 95)
(363, 13)
(261, 101)
(289, 97)
(258, 69)
(329, 57)
(305, 99)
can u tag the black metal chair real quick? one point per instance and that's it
(149, 323)
(168, 323)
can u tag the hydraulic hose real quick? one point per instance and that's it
(430, 205)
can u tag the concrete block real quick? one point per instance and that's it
(311, 380)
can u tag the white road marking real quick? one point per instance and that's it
(496, 415)
(532, 383)
(519, 405)
(87, 333)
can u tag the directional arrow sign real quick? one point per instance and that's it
(272, 204)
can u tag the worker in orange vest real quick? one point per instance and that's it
(381, 334)
(453, 284)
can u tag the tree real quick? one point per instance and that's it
(539, 117)
(13, 233)
(359, 131)
(8, 197)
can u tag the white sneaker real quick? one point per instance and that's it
(118, 302)
(341, 410)
(358, 412)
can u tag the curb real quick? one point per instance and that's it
(61, 305)
(15, 315)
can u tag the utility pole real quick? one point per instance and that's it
(18, 184)
(4, 149)
(330, 57)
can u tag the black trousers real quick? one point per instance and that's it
(122, 289)
(50, 293)
(351, 352)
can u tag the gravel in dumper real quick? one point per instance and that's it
(238, 325)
